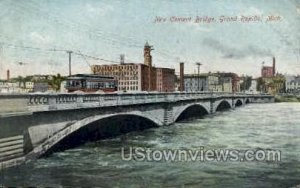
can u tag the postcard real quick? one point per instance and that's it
(161, 93)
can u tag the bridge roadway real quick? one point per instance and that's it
(34, 125)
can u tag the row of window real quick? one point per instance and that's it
(126, 67)
(128, 83)
(89, 85)
(127, 88)
(118, 73)
(129, 78)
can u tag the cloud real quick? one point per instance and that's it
(236, 53)
(252, 11)
(40, 39)
(199, 27)
(98, 9)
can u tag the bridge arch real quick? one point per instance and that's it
(191, 110)
(238, 103)
(247, 101)
(222, 105)
(92, 129)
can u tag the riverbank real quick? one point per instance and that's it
(288, 98)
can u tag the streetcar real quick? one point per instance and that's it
(91, 83)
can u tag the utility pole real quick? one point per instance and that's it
(70, 56)
(198, 64)
(1, 52)
(244, 83)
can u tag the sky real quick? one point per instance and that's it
(38, 33)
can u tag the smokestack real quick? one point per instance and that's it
(8, 75)
(274, 70)
(181, 76)
(122, 59)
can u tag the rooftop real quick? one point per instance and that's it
(89, 76)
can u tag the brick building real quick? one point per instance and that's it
(165, 79)
(201, 82)
(217, 82)
(268, 71)
(233, 78)
(139, 77)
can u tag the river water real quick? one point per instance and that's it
(268, 126)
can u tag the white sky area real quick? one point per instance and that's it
(106, 29)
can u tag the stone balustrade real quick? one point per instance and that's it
(45, 102)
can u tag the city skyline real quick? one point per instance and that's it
(107, 29)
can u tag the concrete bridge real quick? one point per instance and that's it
(34, 125)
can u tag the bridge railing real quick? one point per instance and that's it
(111, 99)
(38, 102)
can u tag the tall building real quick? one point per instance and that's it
(226, 83)
(139, 77)
(292, 84)
(268, 71)
(165, 79)
(234, 78)
(129, 76)
(272, 85)
(253, 87)
(217, 82)
(270, 81)
(201, 82)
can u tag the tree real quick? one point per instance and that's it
(247, 80)
(260, 84)
(56, 81)
(21, 81)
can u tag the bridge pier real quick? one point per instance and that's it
(168, 115)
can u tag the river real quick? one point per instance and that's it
(268, 126)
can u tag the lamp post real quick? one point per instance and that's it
(198, 64)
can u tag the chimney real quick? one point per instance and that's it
(148, 62)
(274, 70)
(122, 59)
(181, 77)
(8, 75)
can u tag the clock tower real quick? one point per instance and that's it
(147, 55)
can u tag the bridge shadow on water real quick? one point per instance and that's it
(102, 129)
(121, 124)
(192, 113)
(199, 112)
(224, 105)
(239, 103)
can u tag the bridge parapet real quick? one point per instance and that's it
(47, 102)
